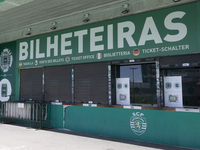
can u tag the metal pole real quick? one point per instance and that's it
(158, 84)
(72, 84)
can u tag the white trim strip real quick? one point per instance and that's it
(188, 110)
(56, 103)
(90, 105)
(132, 107)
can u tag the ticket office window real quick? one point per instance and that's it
(190, 84)
(142, 83)
(46, 84)
(58, 83)
(91, 83)
(31, 84)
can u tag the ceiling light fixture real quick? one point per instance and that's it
(125, 11)
(86, 16)
(54, 25)
(29, 32)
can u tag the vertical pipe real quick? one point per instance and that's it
(72, 84)
(24, 111)
(29, 112)
(10, 110)
(7, 108)
(158, 84)
(109, 85)
(40, 114)
(36, 113)
(43, 85)
(162, 91)
(7, 105)
(16, 110)
(33, 110)
(20, 112)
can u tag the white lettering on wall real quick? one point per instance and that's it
(182, 28)
(38, 54)
(52, 46)
(96, 38)
(149, 26)
(122, 35)
(110, 36)
(80, 35)
(65, 43)
(23, 51)
(31, 49)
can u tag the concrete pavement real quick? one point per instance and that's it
(22, 138)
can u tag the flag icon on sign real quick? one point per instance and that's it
(99, 55)
(20, 64)
(136, 52)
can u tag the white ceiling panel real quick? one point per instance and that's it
(6, 5)
(16, 16)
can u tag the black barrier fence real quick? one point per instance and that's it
(33, 114)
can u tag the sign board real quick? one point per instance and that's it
(7, 71)
(173, 91)
(164, 32)
(123, 91)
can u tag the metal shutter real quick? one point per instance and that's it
(58, 83)
(31, 84)
(91, 83)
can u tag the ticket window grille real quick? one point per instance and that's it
(31, 84)
(47, 84)
(58, 83)
(91, 83)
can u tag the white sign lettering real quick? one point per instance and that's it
(108, 37)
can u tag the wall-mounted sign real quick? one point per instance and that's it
(5, 90)
(138, 123)
(173, 91)
(6, 60)
(123, 91)
(158, 33)
(7, 71)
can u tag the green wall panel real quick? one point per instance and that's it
(56, 116)
(165, 127)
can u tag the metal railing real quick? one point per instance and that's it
(34, 114)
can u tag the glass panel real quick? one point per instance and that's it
(190, 84)
(143, 82)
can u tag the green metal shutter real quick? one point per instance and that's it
(31, 84)
(58, 83)
(91, 83)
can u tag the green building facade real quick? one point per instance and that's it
(135, 77)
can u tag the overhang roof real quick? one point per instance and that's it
(18, 15)
(33, 11)
(6, 5)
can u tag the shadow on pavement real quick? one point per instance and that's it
(138, 143)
